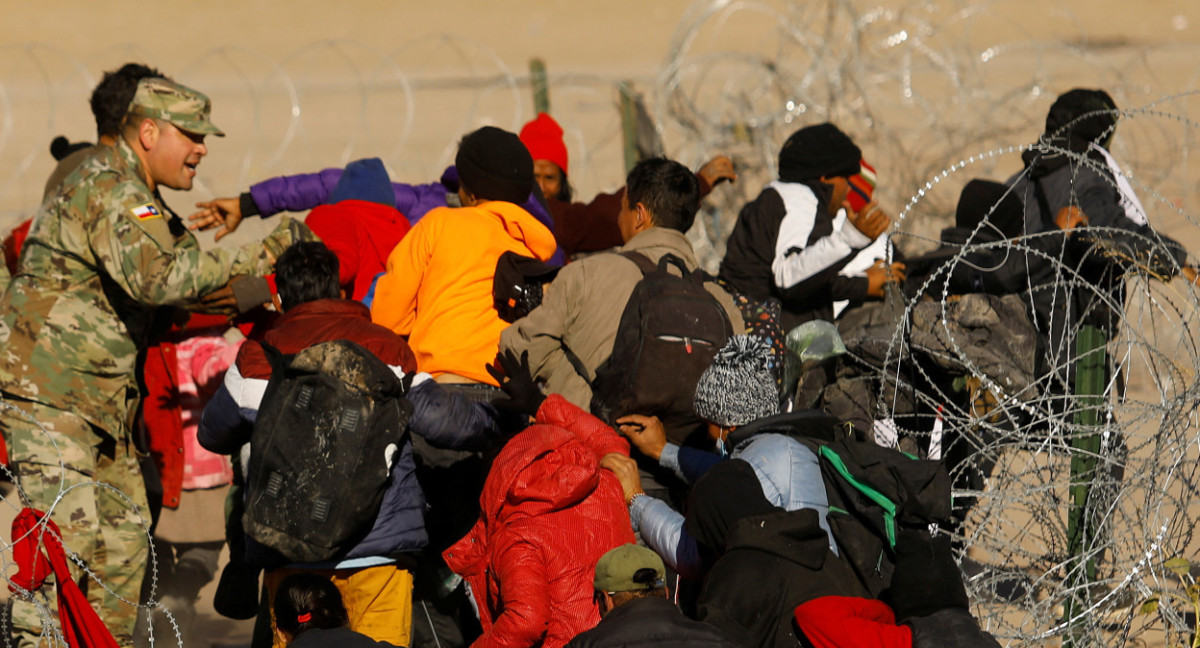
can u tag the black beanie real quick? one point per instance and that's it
(1064, 116)
(61, 148)
(816, 151)
(978, 199)
(493, 164)
(926, 579)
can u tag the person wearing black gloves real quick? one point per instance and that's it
(521, 393)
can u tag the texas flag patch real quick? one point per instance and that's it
(146, 212)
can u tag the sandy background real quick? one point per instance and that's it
(306, 84)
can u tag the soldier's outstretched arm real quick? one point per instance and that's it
(134, 246)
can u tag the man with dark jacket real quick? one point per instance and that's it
(635, 609)
(1070, 168)
(765, 561)
(785, 244)
(376, 572)
(926, 605)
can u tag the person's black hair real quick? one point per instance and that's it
(1083, 114)
(565, 192)
(669, 191)
(307, 601)
(306, 272)
(112, 96)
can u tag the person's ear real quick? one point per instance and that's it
(643, 221)
(465, 198)
(148, 134)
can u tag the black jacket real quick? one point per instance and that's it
(1091, 280)
(949, 628)
(336, 638)
(750, 255)
(772, 564)
(650, 622)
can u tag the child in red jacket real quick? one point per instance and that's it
(548, 512)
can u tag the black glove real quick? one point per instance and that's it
(521, 394)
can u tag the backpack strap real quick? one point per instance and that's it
(642, 261)
(276, 358)
(888, 506)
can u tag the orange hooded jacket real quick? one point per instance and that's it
(438, 286)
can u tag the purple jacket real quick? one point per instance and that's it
(305, 191)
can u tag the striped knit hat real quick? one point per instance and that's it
(738, 388)
(862, 185)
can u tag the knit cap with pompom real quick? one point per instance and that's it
(738, 388)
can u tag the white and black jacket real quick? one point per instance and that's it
(785, 245)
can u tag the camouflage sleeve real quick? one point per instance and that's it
(131, 241)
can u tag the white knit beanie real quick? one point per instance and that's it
(738, 388)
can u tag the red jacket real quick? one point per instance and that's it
(161, 408)
(547, 514)
(851, 622)
(321, 321)
(362, 235)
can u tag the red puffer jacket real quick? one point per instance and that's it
(548, 512)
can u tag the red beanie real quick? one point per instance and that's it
(862, 185)
(544, 139)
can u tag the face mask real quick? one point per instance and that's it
(721, 450)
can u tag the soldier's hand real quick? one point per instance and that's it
(881, 274)
(223, 212)
(718, 170)
(221, 301)
(871, 221)
(646, 433)
(626, 471)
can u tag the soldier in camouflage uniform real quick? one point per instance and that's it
(103, 256)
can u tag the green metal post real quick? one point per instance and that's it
(1082, 527)
(629, 124)
(541, 86)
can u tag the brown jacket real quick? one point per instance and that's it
(582, 310)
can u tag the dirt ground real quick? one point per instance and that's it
(306, 84)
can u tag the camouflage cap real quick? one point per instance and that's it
(187, 109)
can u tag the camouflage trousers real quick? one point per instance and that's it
(68, 469)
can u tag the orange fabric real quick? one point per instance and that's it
(438, 285)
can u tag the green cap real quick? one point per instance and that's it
(187, 109)
(615, 569)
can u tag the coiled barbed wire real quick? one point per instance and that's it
(935, 94)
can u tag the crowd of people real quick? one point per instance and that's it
(477, 412)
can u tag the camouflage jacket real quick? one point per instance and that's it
(102, 256)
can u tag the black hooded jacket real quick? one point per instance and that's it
(650, 622)
(766, 561)
(771, 564)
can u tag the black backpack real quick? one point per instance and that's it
(321, 447)
(669, 332)
(874, 491)
(517, 285)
